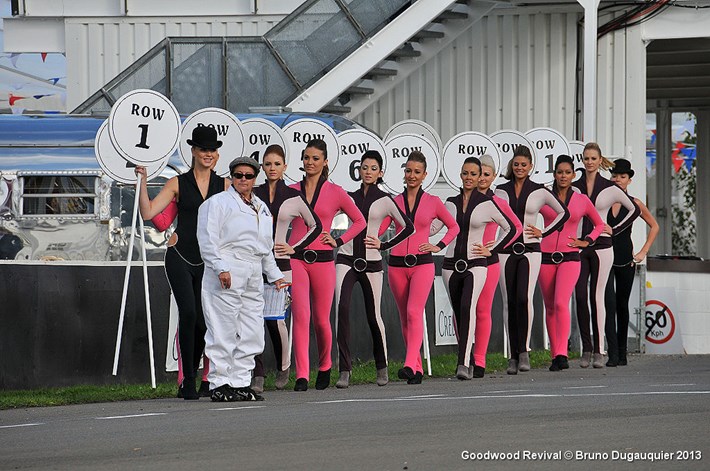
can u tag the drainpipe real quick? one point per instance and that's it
(589, 116)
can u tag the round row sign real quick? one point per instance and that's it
(144, 129)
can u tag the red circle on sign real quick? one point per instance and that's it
(670, 315)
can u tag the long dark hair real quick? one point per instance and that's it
(562, 159)
(520, 151)
(323, 147)
(376, 156)
(472, 160)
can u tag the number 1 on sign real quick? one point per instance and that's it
(144, 137)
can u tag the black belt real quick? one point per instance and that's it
(312, 256)
(461, 265)
(284, 264)
(602, 242)
(555, 258)
(411, 260)
(360, 264)
(493, 259)
(519, 248)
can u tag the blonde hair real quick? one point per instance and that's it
(606, 163)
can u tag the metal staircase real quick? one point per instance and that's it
(313, 60)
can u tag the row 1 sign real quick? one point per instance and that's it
(144, 129)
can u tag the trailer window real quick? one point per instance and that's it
(64, 195)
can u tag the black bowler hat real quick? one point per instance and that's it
(205, 137)
(622, 166)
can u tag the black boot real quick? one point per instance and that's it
(622, 358)
(189, 391)
(323, 379)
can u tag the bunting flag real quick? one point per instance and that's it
(54, 80)
(13, 98)
(676, 158)
(44, 56)
(13, 58)
(37, 97)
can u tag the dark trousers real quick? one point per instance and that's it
(186, 284)
(616, 299)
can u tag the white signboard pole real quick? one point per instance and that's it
(144, 128)
(124, 295)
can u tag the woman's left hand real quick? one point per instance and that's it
(426, 247)
(282, 249)
(480, 250)
(372, 242)
(580, 244)
(532, 231)
(281, 283)
(638, 258)
(327, 239)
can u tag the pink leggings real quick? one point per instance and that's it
(312, 291)
(410, 288)
(483, 316)
(557, 285)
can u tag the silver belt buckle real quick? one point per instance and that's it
(360, 265)
(518, 248)
(557, 257)
(310, 256)
(410, 260)
(461, 266)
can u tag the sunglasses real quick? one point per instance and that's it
(240, 175)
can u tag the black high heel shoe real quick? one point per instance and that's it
(416, 379)
(323, 379)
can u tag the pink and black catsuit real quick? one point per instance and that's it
(411, 272)
(520, 262)
(356, 263)
(598, 259)
(314, 273)
(561, 265)
(484, 305)
(465, 274)
(288, 204)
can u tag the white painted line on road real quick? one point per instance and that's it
(509, 391)
(673, 384)
(420, 396)
(584, 387)
(131, 416)
(239, 408)
(515, 396)
(21, 425)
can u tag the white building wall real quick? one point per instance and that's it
(516, 70)
(97, 49)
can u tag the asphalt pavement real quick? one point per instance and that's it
(652, 414)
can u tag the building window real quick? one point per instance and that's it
(59, 195)
(683, 195)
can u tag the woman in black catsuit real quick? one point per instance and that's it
(360, 261)
(183, 263)
(621, 278)
(520, 262)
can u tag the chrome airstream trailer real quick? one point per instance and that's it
(57, 204)
(64, 235)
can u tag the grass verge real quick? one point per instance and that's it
(363, 373)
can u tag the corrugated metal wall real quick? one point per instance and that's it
(98, 50)
(516, 69)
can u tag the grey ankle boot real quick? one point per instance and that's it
(598, 361)
(257, 384)
(524, 362)
(585, 359)
(282, 378)
(463, 373)
(383, 376)
(512, 367)
(344, 380)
